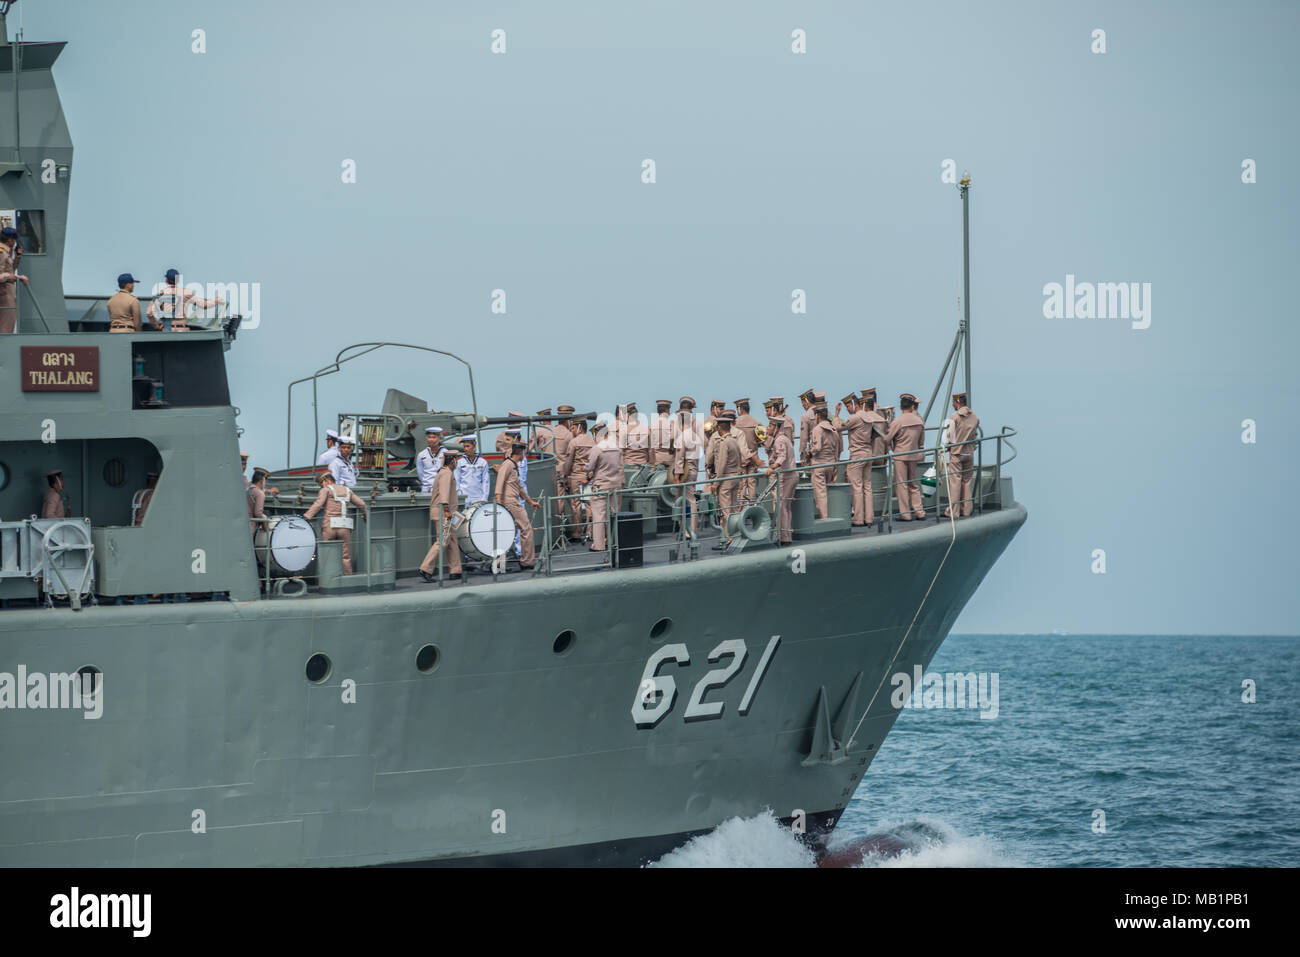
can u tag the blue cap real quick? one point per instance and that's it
(9, 232)
(171, 274)
(125, 278)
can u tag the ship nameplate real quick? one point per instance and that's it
(60, 368)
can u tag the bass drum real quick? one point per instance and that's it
(292, 545)
(475, 534)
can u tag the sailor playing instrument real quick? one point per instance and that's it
(341, 469)
(331, 448)
(336, 523)
(473, 478)
(431, 459)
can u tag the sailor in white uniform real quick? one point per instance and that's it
(473, 480)
(331, 448)
(430, 459)
(340, 466)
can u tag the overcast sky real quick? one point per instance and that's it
(774, 171)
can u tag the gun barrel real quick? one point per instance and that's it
(529, 419)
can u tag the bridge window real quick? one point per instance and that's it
(30, 224)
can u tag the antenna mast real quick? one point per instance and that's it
(963, 324)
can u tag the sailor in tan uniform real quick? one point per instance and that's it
(443, 501)
(256, 495)
(688, 442)
(906, 436)
(335, 523)
(823, 449)
(879, 449)
(53, 505)
(859, 431)
(507, 437)
(604, 472)
(727, 455)
(173, 301)
(124, 308)
(961, 457)
(10, 255)
(806, 422)
(780, 456)
(662, 431)
(746, 426)
(558, 445)
(636, 437)
(510, 494)
(580, 446)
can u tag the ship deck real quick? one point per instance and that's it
(660, 550)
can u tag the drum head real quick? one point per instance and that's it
(480, 524)
(293, 543)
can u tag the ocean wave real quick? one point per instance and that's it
(763, 841)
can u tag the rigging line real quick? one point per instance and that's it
(952, 519)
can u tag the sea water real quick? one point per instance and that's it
(1106, 751)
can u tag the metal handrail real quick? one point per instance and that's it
(340, 358)
(552, 526)
(885, 460)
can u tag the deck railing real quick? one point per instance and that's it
(682, 545)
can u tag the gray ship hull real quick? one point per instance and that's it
(508, 749)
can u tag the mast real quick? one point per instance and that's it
(965, 264)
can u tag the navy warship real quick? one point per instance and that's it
(179, 688)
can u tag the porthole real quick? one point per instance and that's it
(563, 643)
(318, 668)
(115, 473)
(660, 629)
(89, 680)
(427, 659)
(4, 476)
